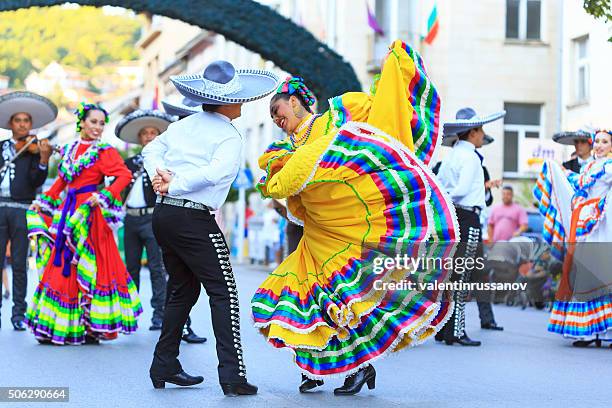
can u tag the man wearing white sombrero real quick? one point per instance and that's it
(582, 142)
(142, 127)
(22, 171)
(462, 176)
(192, 166)
(182, 109)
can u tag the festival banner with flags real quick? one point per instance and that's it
(433, 23)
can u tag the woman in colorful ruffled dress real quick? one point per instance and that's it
(85, 293)
(356, 178)
(578, 227)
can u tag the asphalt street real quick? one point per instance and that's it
(523, 366)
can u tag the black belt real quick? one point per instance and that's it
(181, 202)
(474, 209)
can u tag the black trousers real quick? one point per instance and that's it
(138, 235)
(294, 235)
(195, 253)
(470, 247)
(13, 227)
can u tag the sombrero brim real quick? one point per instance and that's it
(449, 140)
(41, 109)
(256, 84)
(180, 110)
(568, 138)
(129, 127)
(461, 125)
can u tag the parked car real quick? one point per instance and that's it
(535, 223)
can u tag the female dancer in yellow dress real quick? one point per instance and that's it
(357, 178)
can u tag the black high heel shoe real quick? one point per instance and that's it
(587, 343)
(354, 382)
(183, 379)
(89, 339)
(308, 384)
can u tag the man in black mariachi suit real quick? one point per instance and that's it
(22, 171)
(142, 126)
(462, 176)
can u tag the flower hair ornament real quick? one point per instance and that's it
(82, 110)
(601, 130)
(295, 86)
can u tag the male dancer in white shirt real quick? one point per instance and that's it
(192, 166)
(462, 176)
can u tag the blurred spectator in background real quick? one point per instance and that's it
(508, 219)
(271, 235)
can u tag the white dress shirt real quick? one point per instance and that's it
(203, 151)
(462, 176)
(136, 198)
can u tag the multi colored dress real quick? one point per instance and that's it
(85, 287)
(580, 232)
(359, 184)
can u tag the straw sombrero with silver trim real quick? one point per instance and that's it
(181, 109)
(568, 138)
(128, 128)
(41, 110)
(222, 84)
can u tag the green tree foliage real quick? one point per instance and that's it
(599, 9)
(82, 38)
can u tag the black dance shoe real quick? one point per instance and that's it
(308, 384)
(463, 340)
(190, 337)
(233, 390)
(587, 343)
(183, 379)
(89, 339)
(354, 382)
(18, 325)
(491, 326)
(440, 335)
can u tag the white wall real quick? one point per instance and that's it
(597, 111)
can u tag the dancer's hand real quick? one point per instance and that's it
(161, 181)
(93, 201)
(34, 207)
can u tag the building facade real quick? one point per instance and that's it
(542, 61)
(587, 62)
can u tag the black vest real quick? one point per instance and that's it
(135, 164)
(25, 174)
(572, 165)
